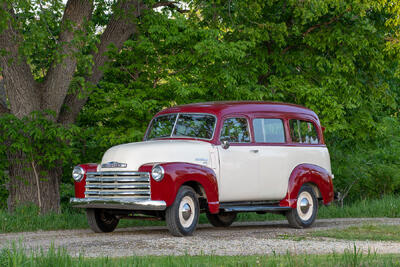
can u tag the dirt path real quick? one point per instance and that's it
(239, 239)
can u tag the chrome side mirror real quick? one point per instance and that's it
(225, 144)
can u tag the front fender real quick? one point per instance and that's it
(179, 173)
(80, 186)
(308, 173)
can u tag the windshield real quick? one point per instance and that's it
(182, 125)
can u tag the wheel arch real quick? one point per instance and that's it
(199, 189)
(316, 190)
(317, 177)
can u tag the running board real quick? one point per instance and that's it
(241, 208)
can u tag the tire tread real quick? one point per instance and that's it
(292, 216)
(171, 214)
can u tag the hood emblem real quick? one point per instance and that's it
(114, 164)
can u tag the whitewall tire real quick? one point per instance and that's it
(183, 215)
(306, 210)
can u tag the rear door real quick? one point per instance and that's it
(269, 135)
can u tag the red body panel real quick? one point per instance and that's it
(80, 186)
(308, 173)
(179, 173)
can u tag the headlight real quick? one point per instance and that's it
(157, 173)
(78, 173)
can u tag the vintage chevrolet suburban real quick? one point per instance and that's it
(220, 158)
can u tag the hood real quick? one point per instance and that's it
(137, 154)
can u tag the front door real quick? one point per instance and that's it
(239, 164)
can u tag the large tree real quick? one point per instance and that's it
(51, 58)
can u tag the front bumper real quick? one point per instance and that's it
(118, 203)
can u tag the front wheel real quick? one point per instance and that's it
(101, 221)
(304, 214)
(222, 219)
(183, 215)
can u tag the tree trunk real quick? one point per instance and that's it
(31, 184)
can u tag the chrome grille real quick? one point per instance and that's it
(118, 185)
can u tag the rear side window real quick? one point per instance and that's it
(235, 130)
(269, 131)
(303, 132)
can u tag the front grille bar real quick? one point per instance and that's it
(120, 193)
(119, 179)
(118, 186)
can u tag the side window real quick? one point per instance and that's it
(303, 132)
(269, 131)
(235, 130)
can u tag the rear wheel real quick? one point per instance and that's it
(183, 215)
(101, 221)
(222, 219)
(305, 213)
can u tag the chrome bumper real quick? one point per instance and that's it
(118, 203)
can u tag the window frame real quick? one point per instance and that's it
(249, 129)
(271, 118)
(308, 121)
(172, 136)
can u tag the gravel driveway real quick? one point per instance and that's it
(242, 238)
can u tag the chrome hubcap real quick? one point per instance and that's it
(305, 206)
(186, 211)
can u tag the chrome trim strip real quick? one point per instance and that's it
(118, 186)
(117, 179)
(252, 208)
(118, 193)
(143, 174)
(173, 127)
(119, 203)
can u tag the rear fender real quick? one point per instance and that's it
(312, 174)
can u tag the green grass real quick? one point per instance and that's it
(17, 256)
(27, 218)
(363, 232)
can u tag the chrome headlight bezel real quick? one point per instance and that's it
(78, 173)
(157, 172)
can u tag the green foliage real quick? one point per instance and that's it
(37, 140)
(37, 137)
(370, 169)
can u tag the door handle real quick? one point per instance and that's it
(254, 150)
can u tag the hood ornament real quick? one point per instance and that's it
(114, 164)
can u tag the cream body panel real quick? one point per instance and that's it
(238, 174)
(137, 154)
(278, 162)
